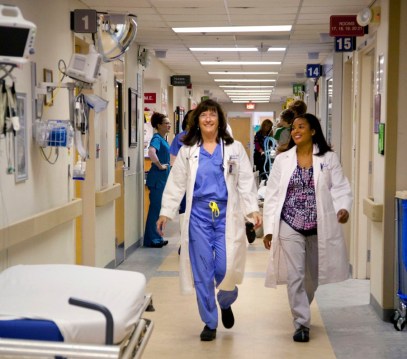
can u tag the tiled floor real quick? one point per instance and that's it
(344, 325)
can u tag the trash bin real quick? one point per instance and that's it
(399, 318)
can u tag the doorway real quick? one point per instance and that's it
(241, 128)
(363, 164)
(119, 165)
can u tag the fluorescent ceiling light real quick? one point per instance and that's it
(245, 80)
(247, 86)
(231, 92)
(225, 49)
(249, 98)
(272, 49)
(256, 97)
(254, 101)
(242, 73)
(220, 63)
(233, 29)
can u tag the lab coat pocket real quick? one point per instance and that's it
(326, 175)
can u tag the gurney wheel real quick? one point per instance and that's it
(395, 317)
(400, 324)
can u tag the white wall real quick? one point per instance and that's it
(47, 185)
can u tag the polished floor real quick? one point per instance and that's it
(344, 325)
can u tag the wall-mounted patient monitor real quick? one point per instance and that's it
(16, 36)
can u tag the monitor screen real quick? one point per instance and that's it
(13, 41)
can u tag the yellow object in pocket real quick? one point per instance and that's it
(215, 209)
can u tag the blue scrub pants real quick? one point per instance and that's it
(151, 235)
(207, 252)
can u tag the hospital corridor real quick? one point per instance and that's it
(144, 142)
(343, 324)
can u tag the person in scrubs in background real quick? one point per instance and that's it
(215, 173)
(176, 144)
(159, 153)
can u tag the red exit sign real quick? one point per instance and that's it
(345, 25)
(250, 106)
(150, 97)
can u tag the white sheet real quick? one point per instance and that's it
(42, 292)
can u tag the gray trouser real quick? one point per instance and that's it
(301, 255)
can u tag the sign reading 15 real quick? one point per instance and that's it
(343, 43)
(314, 70)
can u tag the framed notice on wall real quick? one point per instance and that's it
(133, 117)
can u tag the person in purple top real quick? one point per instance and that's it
(307, 199)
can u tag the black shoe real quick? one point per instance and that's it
(208, 334)
(301, 334)
(250, 232)
(165, 243)
(156, 245)
(228, 319)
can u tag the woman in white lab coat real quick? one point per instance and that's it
(307, 199)
(215, 173)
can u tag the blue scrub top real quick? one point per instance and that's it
(210, 181)
(156, 177)
(177, 143)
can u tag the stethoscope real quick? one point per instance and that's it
(222, 145)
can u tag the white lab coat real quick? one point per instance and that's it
(242, 200)
(332, 192)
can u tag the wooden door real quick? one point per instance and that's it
(241, 131)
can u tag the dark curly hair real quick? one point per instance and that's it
(318, 138)
(194, 135)
(157, 119)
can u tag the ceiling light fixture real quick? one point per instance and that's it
(253, 101)
(272, 49)
(233, 29)
(247, 86)
(245, 80)
(249, 96)
(220, 63)
(247, 91)
(225, 49)
(242, 73)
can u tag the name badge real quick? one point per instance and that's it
(232, 167)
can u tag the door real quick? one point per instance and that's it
(364, 163)
(241, 131)
(119, 173)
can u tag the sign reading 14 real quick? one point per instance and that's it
(314, 70)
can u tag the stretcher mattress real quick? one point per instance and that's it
(41, 292)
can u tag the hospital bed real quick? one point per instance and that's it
(73, 311)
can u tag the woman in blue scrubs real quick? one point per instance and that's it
(159, 153)
(215, 172)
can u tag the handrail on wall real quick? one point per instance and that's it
(40, 223)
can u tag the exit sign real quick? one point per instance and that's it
(250, 106)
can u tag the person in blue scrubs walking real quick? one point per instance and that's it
(215, 172)
(159, 153)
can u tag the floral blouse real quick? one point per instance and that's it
(299, 209)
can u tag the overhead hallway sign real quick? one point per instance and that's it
(345, 25)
